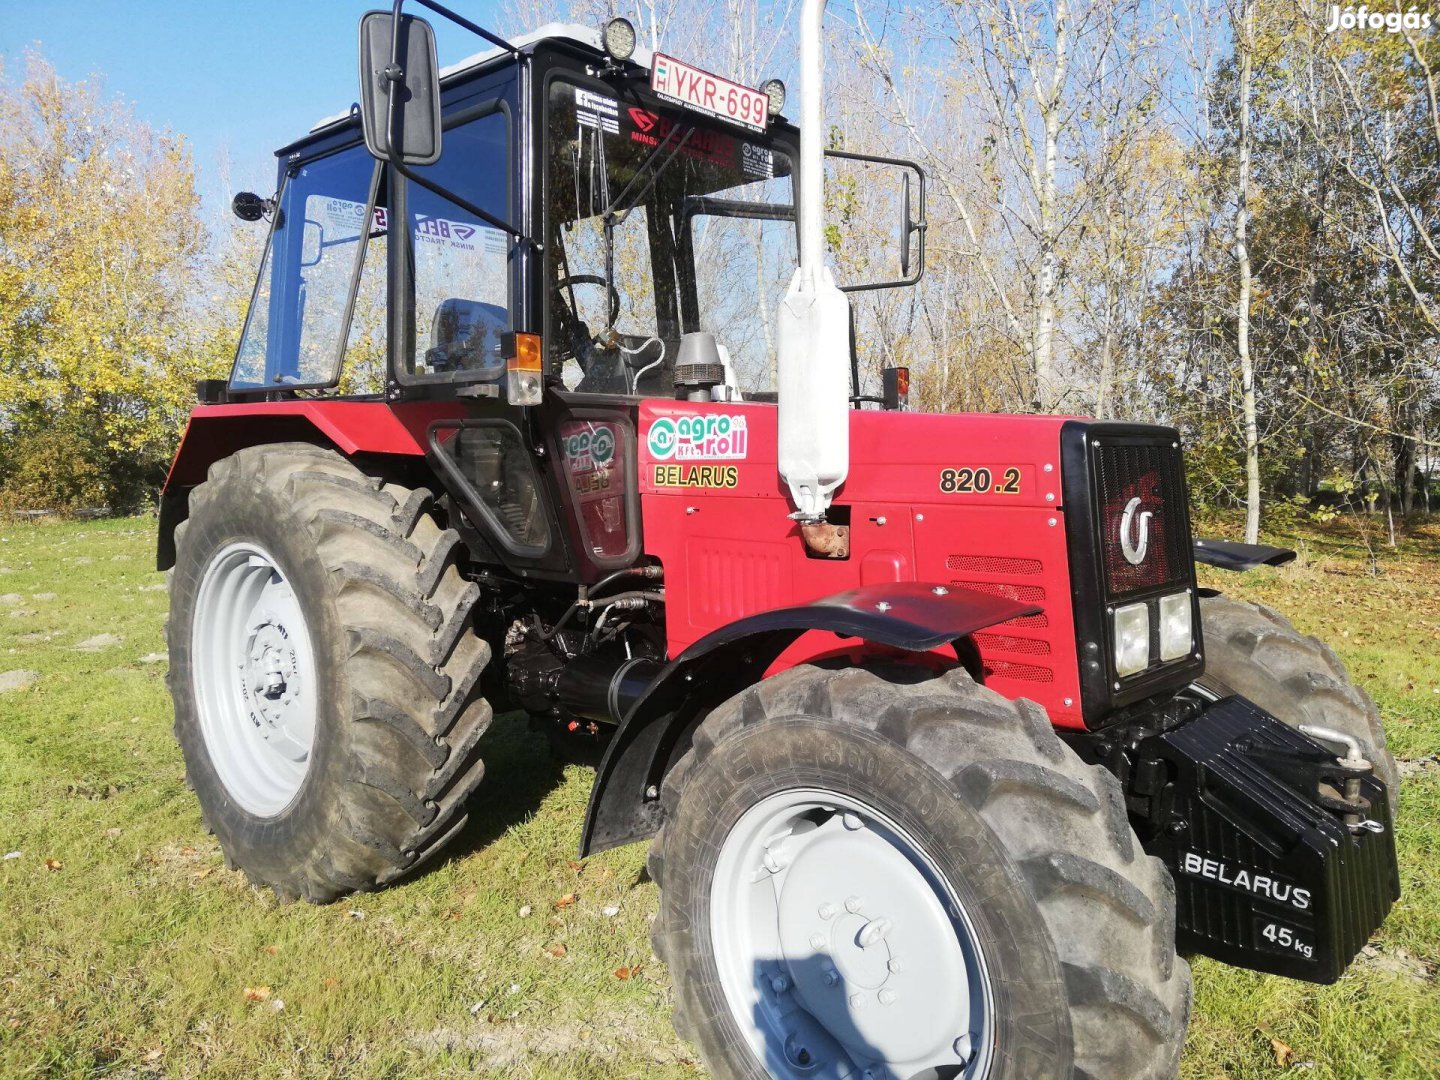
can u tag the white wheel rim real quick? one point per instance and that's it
(842, 951)
(254, 678)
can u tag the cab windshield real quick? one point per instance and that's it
(661, 222)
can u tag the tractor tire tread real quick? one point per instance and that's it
(412, 659)
(1257, 652)
(1109, 908)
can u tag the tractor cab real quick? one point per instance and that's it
(570, 200)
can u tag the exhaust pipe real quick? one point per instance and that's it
(813, 325)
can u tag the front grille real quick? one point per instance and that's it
(1127, 530)
(1025, 594)
(1132, 481)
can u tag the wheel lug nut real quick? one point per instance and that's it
(854, 905)
(895, 965)
(827, 911)
(887, 996)
(817, 941)
(832, 977)
(852, 821)
(779, 984)
(856, 1001)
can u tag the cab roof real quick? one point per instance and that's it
(587, 36)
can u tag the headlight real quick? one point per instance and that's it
(619, 39)
(774, 91)
(1176, 632)
(1132, 638)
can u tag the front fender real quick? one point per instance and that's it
(625, 801)
(1232, 555)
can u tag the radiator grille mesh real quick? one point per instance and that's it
(1133, 481)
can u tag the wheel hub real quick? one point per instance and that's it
(271, 680)
(849, 969)
(253, 672)
(841, 949)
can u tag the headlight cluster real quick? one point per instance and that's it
(1132, 631)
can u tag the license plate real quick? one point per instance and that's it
(709, 94)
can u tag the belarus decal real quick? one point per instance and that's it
(706, 437)
(712, 476)
(1263, 886)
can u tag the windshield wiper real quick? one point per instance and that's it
(610, 218)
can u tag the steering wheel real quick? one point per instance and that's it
(566, 283)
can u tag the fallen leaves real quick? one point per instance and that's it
(54, 865)
(556, 950)
(631, 972)
(1283, 1053)
(257, 993)
(568, 900)
(271, 950)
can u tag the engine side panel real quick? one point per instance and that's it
(715, 512)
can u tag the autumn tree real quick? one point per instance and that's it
(101, 250)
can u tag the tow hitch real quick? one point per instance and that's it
(1282, 851)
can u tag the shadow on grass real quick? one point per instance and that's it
(522, 768)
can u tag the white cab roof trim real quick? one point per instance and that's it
(584, 35)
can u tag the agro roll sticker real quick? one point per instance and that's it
(703, 437)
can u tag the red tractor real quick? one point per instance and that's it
(946, 758)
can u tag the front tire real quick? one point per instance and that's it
(324, 670)
(960, 837)
(1256, 652)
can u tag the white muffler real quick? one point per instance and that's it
(814, 319)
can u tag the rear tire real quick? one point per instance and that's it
(1072, 923)
(1256, 652)
(371, 633)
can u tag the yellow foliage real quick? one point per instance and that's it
(101, 247)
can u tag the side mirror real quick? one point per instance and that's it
(312, 244)
(250, 207)
(399, 88)
(867, 190)
(907, 225)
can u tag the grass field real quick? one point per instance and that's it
(127, 950)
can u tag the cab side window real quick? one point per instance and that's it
(297, 322)
(462, 264)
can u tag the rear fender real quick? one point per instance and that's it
(351, 427)
(915, 617)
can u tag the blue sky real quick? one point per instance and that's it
(238, 78)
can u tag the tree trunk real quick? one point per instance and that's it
(1242, 254)
(1047, 389)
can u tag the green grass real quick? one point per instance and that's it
(133, 957)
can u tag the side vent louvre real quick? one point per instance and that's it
(1018, 650)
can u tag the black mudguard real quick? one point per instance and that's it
(1231, 555)
(625, 802)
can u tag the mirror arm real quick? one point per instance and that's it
(919, 226)
(460, 20)
(464, 204)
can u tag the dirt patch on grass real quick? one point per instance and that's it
(509, 1044)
